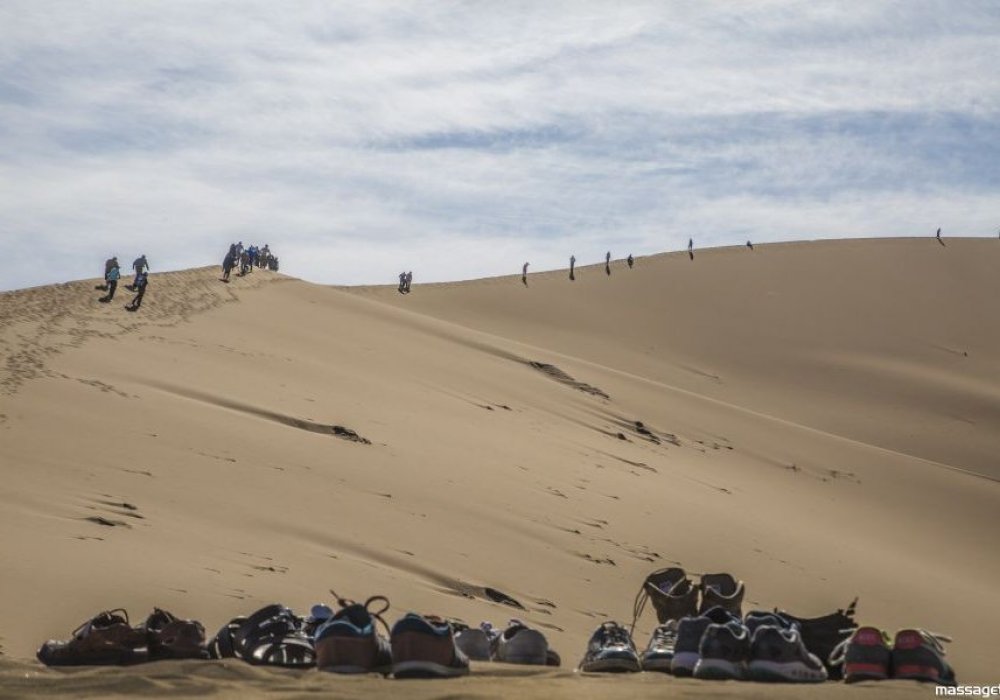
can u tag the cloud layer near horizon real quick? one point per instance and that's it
(461, 139)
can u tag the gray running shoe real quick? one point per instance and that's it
(724, 651)
(659, 654)
(519, 644)
(778, 655)
(474, 642)
(690, 630)
(610, 650)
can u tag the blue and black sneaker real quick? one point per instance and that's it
(349, 641)
(689, 633)
(724, 652)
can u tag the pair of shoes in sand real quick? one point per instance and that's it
(869, 654)
(416, 646)
(517, 644)
(676, 596)
(109, 638)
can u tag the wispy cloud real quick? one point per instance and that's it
(460, 139)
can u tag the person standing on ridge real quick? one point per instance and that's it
(409, 280)
(630, 260)
(691, 248)
(607, 263)
(524, 275)
(939, 237)
(572, 264)
(402, 282)
(749, 245)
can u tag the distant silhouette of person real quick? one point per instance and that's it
(409, 281)
(691, 248)
(111, 277)
(572, 264)
(607, 263)
(110, 263)
(939, 237)
(524, 274)
(749, 245)
(402, 282)
(139, 265)
(630, 260)
(139, 286)
(228, 263)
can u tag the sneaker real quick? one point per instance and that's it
(689, 633)
(757, 618)
(659, 654)
(864, 656)
(474, 642)
(721, 590)
(778, 654)
(917, 655)
(424, 647)
(519, 644)
(724, 652)
(349, 642)
(673, 594)
(610, 650)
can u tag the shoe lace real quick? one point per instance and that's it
(376, 614)
(641, 598)
(935, 639)
(107, 614)
(615, 633)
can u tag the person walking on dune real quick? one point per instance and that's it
(228, 263)
(139, 265)
(691, 248)
(140, 284)
(111, 277)
(409, 280)
(630, 260)
(524, 274)
(607, 263)
(749, 245)
(402, 282)
(939, 237)
(572, 264)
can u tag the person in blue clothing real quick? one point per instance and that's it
(140, 285)
(112, 273)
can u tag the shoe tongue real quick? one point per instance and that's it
(718, 615)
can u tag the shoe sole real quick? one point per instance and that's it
(611, 666)
(684, 662)
(924, 674)
(789, 672)
(427, 669)
(719, 670)
(662, 665)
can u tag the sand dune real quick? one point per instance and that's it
(818, 418)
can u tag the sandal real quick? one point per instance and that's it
(170, 638)
(106, 639)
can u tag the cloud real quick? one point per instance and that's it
(460, 139)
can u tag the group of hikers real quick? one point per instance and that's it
(112, 273)
(247, 259)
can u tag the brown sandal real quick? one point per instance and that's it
(108, 638)
(170, 638)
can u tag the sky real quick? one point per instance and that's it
(461, 139)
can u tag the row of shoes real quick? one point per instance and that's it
(348, 640)
(870, 654)
(716, 645)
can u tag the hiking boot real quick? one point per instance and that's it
(865, 655)
(778, 654)
(519, 644)
(424, 647)
(917, 655)
(108, 638)
(349, 641)
(689, 633)
(721, 590)
(673, 594)
(724, 652)
(659, 653)
(610, 650)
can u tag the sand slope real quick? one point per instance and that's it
(825, 418)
